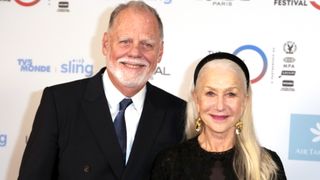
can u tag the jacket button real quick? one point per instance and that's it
(86, 168)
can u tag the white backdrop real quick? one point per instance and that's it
(48, 42)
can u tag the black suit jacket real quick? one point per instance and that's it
(73, 136)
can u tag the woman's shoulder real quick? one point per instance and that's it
(281, 175)
(273, 155)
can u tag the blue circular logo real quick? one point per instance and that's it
(263, 57)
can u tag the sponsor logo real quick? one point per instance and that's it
(63, 6)
(223, 2)
(26, 65)
(3, 140)
(288, 73)
(262, 57)
(287, 83)
(289, 47)
(162, 71)
(290, 2)
(301, 3)
(163, 1)
(304, 143)
(77, 66)
(27, 3)
(250, 53)
(288, 66)
(74, 66)
(289, 59)
(315, 4)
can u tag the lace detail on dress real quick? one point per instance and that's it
(188, 161)
(220, 163)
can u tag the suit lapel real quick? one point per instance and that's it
(150, 121)
(99, 119)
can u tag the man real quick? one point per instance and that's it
(74, 135)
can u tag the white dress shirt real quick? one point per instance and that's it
(132, 113)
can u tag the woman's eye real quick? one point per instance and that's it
(210, 93)
(231, 94)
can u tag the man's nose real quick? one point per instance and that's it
(135, 50)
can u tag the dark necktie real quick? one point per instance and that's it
(120, 126)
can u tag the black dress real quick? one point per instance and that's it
(188, 161)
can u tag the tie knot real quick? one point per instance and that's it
(125, 103)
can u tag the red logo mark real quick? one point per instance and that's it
(27, 3)
(314, 4)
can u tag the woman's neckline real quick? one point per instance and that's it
(215, 153)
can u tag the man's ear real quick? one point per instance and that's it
(105, 43)
(160, 52)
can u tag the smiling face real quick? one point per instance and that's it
(133, 47)
(220, 96)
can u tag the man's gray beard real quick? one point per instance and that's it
(138, 81)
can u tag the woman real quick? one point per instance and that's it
(221, 144)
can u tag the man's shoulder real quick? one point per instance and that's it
(70, 87)
(163, 95)
(76, 88)
(78, 83)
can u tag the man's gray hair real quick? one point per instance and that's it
(137, 5)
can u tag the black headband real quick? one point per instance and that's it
(222, 55)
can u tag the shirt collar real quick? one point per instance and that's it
(114, 96)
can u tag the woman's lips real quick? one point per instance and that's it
(219, 117)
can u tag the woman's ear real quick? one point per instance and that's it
(245, 102)
(195, 99)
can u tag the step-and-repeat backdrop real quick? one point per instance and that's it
(46, 42)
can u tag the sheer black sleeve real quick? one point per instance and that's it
(162, 166)
(281, 175)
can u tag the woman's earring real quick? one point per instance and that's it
(198, 124)
(239, 126)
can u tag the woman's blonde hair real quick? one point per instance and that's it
(251, 161)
